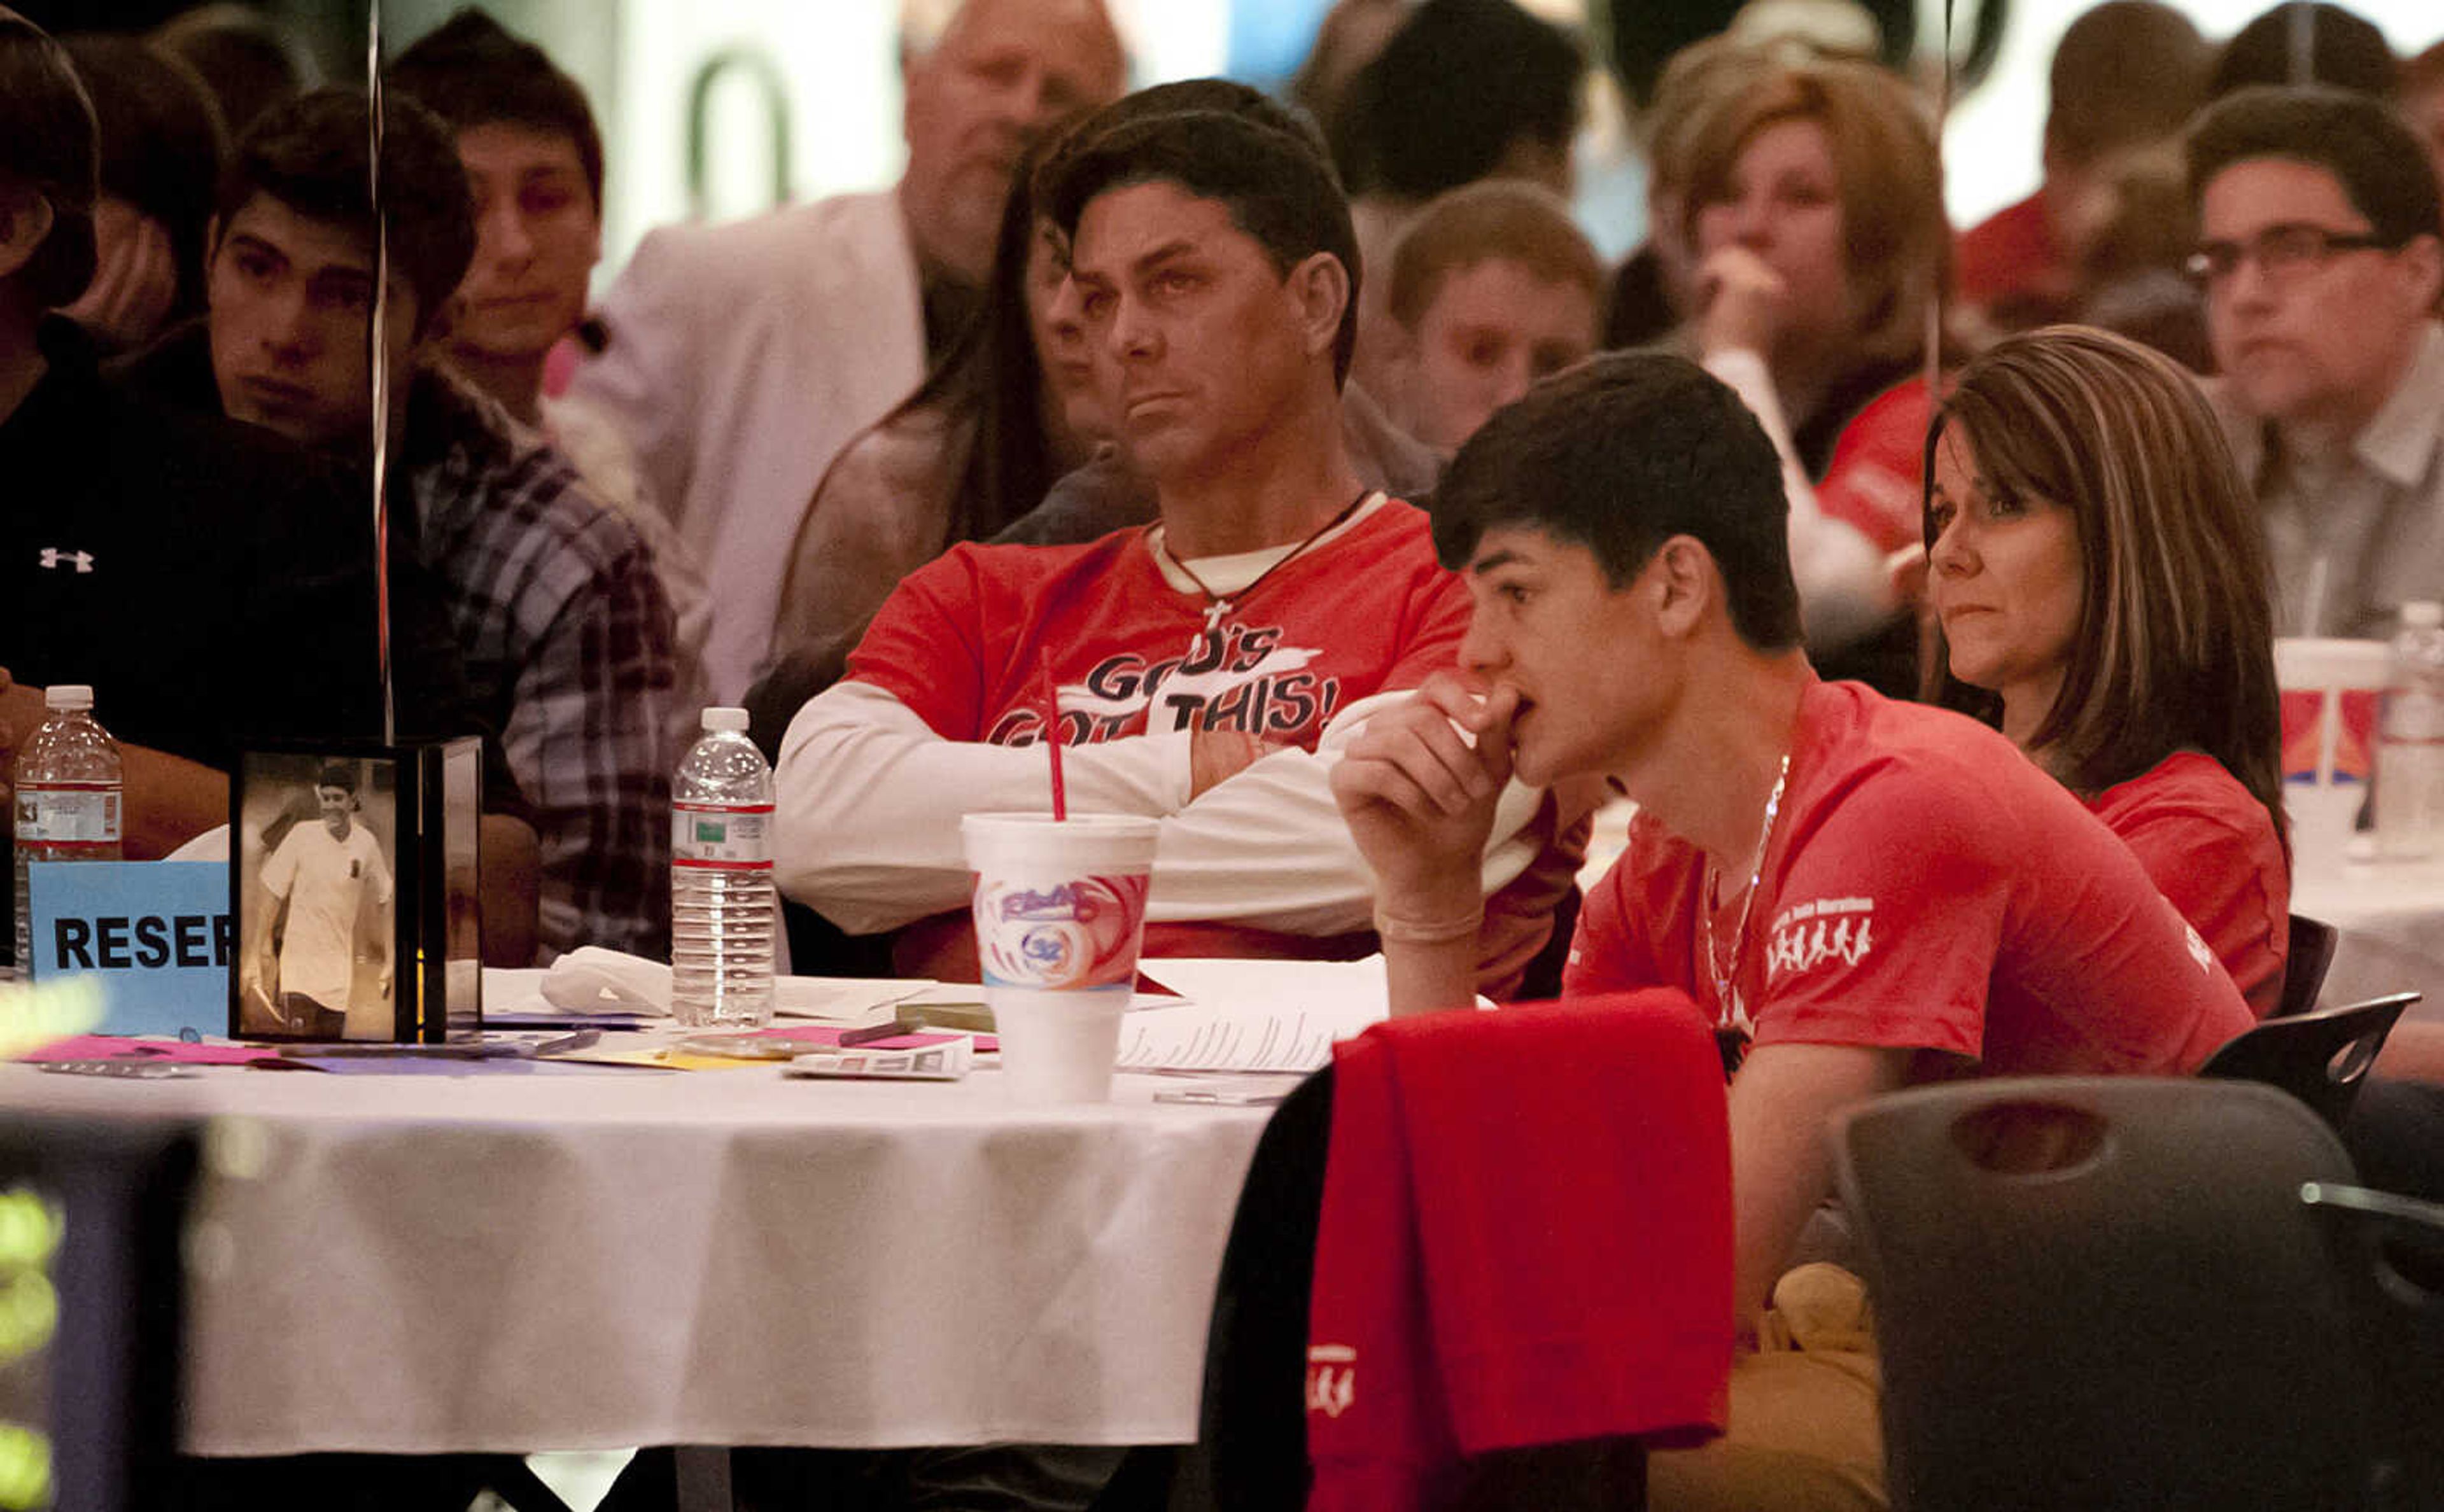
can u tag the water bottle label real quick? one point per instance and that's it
(723, 837)
(67, 815)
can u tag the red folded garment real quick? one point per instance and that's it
(1526, 1239)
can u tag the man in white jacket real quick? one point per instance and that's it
(1209, 667)
(741, 357)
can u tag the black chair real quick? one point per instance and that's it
(2097, 1292)
(2306, 961)
(2392, 1262)
(2320, 1057)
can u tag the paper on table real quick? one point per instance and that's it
(596, 982)
(827, 1036)
(172, 1052)
(1254, 1015)
(439, 1066)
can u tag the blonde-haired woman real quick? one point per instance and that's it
(2095, 563)
(1811, 210)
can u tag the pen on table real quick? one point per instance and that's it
(851, 1039)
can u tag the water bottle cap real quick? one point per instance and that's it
(67, 696)
(725, 719)
(2424, 613)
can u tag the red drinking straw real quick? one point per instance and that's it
(1052, 735)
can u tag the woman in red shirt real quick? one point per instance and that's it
(2096, 567)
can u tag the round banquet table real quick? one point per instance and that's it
(597, 1259)
(2391, 919)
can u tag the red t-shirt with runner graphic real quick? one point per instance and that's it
(1926, 887)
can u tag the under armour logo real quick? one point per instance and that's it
(53, 556)
(1328, 1390)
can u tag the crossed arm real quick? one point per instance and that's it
(869, 799)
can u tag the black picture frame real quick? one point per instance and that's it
(354, 871)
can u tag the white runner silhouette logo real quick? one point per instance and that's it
(1805, 937)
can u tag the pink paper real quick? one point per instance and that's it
(127, 1047)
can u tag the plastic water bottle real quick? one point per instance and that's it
(69, 791)
(721, 878)
(2410, 739)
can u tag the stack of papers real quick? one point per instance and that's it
(1271, 1016)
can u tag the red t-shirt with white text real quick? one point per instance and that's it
(2214, 852)
(966, 643)
(1927, 887)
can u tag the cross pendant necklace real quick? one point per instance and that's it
(1214, 610)
(1218, 606)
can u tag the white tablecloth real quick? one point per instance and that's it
(2391, 916)
(507, 1262)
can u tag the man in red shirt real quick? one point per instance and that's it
(1207, 669)
(1869, 894)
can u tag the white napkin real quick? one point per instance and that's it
(593, 980)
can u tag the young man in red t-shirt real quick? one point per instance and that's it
(1871, 893)
(1208, 667)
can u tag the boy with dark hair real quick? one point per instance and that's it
(2321, 258)
(1209, 666)
(564, 627)
(534, 159)
(1862, 894)
(1492, 288)
(122, 517)
(473, 71)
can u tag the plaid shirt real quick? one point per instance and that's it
(567, 639)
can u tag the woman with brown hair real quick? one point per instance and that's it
(1812, 213)
(1007, 412)
(2095, 563)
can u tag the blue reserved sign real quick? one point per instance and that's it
(156, 933)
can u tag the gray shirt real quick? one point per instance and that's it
(2374, 514)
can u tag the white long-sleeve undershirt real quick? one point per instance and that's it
(869, 802)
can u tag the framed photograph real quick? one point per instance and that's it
(354, 874)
